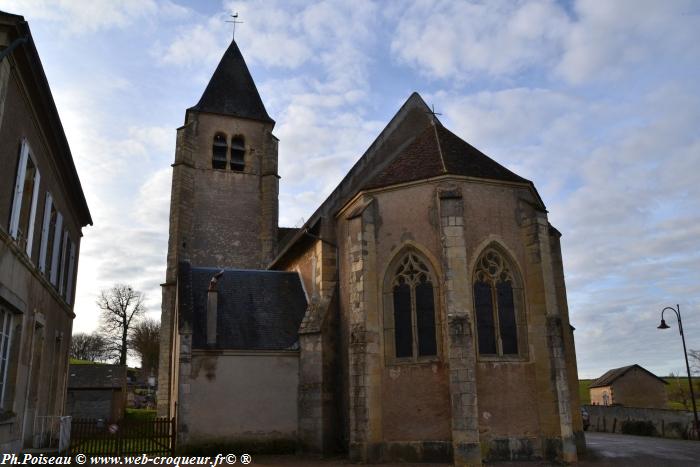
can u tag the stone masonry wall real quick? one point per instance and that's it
(667, 423)
(460, 343)
(365, 364)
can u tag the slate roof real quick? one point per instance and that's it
(438, 151)
(257, 310)
(611, 375)
(96, 376)
(231, 90)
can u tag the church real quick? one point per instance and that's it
(419, 315)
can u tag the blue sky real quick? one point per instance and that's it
(597, 102)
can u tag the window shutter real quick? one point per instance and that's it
(19, 188)
(219, 150)
(56, 249)
(71, 270)
(5, 341)
(62, 271)
(45, 232)
(32, 213)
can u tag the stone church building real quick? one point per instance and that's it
(419, 314)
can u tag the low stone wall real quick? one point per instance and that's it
(667, 423)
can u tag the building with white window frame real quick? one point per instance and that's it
(42, 212)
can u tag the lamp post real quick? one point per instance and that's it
(663, 325)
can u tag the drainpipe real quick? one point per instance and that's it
(29, 379)
(212, 304)
(16, 43)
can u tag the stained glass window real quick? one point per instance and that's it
(413, 292)
(494, 305)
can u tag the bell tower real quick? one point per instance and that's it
(226, 158)
(224, 196)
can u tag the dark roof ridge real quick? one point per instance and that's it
(231, 90)
(611, 375)
(437, 139)
(343, 192)
(27, 58)
(217, 269)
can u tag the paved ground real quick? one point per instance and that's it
(604, 449)
(641, 451)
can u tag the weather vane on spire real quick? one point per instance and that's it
(235, 22)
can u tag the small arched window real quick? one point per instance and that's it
(219, 150)
(237, 153)
(494, 303)
(413, 304)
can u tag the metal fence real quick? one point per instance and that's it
(128, 437)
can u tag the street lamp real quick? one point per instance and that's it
(663, 325)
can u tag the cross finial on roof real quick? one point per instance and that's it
(432, 111)
(234, 22)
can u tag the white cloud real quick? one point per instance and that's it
(85, 16)
(200, 43)
(610, 40)
(596, 103)
(462, 39)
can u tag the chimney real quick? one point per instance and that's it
(212, 304)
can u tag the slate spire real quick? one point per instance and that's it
(231, 90)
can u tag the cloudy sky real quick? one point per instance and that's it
(597, 102)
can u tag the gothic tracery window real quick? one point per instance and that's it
(413, 299)
(494, 305)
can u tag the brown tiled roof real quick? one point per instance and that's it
(413, 146)
(438, 151)
(611, 375)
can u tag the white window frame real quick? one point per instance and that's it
(45, 232)
(25, 153)
(58, 229)
(6, 318)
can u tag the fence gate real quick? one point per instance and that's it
(125, 438)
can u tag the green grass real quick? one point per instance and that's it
(682, 382)
(583, 392)
(75, 361)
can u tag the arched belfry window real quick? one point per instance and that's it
(237, 153)
(495, 293)
(219, 150)
(411, 305)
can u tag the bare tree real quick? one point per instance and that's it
(694, 359)
(121, 305)
(678, 391)
(91, 347)
(145, 342)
